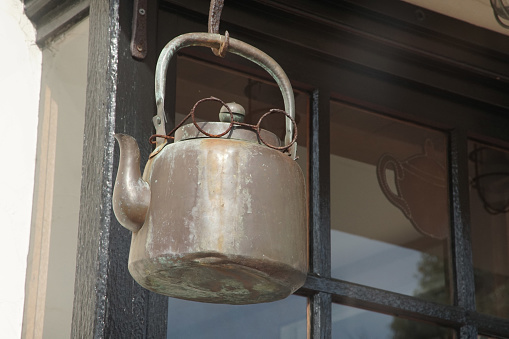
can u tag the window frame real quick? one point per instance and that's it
(462, 63)
(368, 41)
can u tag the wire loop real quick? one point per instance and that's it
(256, 128)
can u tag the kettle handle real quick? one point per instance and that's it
(396, 199)
(235, 46)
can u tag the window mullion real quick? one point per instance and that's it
(320, 315)
(461, 247)
(319, 311)
(319, 178)
(468, 331)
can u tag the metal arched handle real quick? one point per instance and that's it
(234, 46)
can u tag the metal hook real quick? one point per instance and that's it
(216, 7)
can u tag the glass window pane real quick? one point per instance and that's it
(284, 319)
(349, 322)
(489, 204)
(389, 204)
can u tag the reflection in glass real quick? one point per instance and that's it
(491, 178)
(489, 200)
(351, 323)
(284, 319)
(389, 204)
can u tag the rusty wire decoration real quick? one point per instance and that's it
(256, 128)
(216, 7)
(220, 45)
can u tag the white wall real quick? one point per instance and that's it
(20, 72)
(55, 216)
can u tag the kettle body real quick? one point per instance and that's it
(226, 223)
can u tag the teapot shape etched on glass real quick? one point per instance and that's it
(421, 190)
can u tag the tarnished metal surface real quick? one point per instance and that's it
(220, 215)
(131, 194)
(227, 223)
(237, 47)
(189, 131)
(216, 7)
(139, 30)
(237, 111)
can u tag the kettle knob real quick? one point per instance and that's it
(238, 113)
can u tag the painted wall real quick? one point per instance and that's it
(20, 73)
(42, 105)
(55, 216)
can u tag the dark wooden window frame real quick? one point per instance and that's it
(459, 71)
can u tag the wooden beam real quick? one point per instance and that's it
(53, 17)
(108, 303)
(61, 22)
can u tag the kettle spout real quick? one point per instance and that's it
(131, 194)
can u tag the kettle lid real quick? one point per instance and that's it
(190, 131)
(225, 129)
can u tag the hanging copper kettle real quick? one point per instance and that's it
(219, 219)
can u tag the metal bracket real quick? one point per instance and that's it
(139, 30)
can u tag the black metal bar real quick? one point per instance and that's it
(373, 299)
(377, 300)
(490, 326)
(319, 187)
(320, 316)
(468, 332)
(462, 264)
(319, 211)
